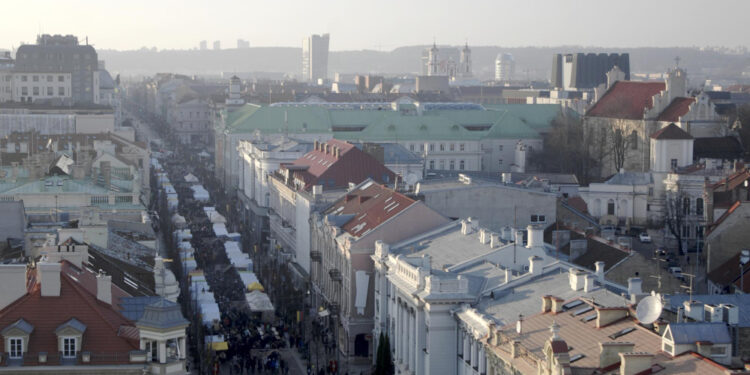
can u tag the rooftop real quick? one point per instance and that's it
(671, 131)
(627, 100)
(678, 108)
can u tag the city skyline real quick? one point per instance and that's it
(140, 24)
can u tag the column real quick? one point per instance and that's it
(412, 337)
(467, 348)
(421, 344)
(398, 336)
(482, 360)
(181, 342)
(473, 358)
(162, 351)
(407, 347)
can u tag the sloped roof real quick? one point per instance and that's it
(727, 274)
(678, 108)
(671, 131)
(162, 314)
(690, 333)
(101, 320)
(368, 206)
(717, 148)
(627, 100)
(21, 325)
(322, 166)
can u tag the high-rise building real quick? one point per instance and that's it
(217, 45)
(586, 70)
(505, 66)
(315, 57)
(203, 45)
(49, 64)
(241, 43)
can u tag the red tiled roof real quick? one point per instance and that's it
(729, 273)
(723, 217)
(371, 204)
(671, 131)
(733, 180)
(336, 163)
(627, 99)
(678, 108)
(87, 280)
(46, 314)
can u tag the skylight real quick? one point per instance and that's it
(576, 357)
(582, 311)
(621, 333)
(573, 304)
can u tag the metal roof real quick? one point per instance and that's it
(690, 333)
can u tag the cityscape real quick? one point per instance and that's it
(468, 205)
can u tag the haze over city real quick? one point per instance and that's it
(385, 25)
(331, 187)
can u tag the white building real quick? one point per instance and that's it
(315, 58)
(505, 67)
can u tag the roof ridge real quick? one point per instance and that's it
(93, 304)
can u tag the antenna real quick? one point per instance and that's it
(649, 309)
(690, 287)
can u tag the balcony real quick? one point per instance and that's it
(315, 256)
(335, 274)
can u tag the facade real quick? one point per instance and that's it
(448, 136)
(56, 67)
(586, 71)
(6, 77)
(455, 68)
(56, 120)
(315, 58)
(623, 200)
(342, 242)
(494, 204)
(191, 121)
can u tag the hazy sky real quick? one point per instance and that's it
(381, 24)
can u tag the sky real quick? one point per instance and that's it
(381, 24)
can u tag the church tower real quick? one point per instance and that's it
(465, 62)
(432, 62)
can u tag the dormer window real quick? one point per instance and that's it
(69, 336)
(16, 338)
(69, 347)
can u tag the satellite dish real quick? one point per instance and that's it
(648, 310)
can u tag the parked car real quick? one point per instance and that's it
(660, 252)
(644, 237)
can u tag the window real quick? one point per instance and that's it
(442, 165)
(634, 140)
(60, 78)
(668, 348)
(421, 147)
(411, 147)
(432, 164)
(699, 232)
(686, 205)
(69, 347)
(24, 91)
(534, 218)
(719, 351)
(36, 91)
(542, 219)
(500, 147)
(35, 78)
(452, 164)
(49, 78)
(530, 149)
(699, 206)
(50, 92)
(650, 192)
(432, 147)
(674, 163)
(461, 147)
(611, 207)
(452, 147)
(442, 147)
(461, 165)
(15, 349)
(500, 162)
(24, 78)
(61, 91)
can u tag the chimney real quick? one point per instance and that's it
(104, 288)
(508, 275)
(315, 145)
(494, 240)
(635, 363)
(589, 284)
(609, 352)
(599, 272)
(606, 316)
(576, 279)
(694, 310)
(519, 324)
(557, 304)
(12, 283)
(519, 238)
(714, 314)
(535, 265)
(634, 288)
(515, 347)
(483, 236)
(317, 190)
(49, 277)
(536, 236)
(465, 227)
(474, 223)
(546, 304)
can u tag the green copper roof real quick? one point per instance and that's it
(500, 121)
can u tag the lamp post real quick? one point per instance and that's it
(744, 259)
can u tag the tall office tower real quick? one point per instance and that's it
(203, 45)
(217, 45)
(586, 70)
(315, 57)
(241, 44)
(505, 66)
(51, 62)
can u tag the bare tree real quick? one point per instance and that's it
(675, 217)
(619, 144)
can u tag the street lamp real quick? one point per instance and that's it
(744, 259)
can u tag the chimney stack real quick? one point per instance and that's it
(12, 283)
(494, 240)
(589, 284)
(535, 265)
(609, 352)
(49, 277)
(576, 278)
(104, 288)
(536, 236)
(634, 288)
(519, 238)
(465, 227)
(599, 271)
(635, 363)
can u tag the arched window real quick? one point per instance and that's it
(686, 205)
(699, 206)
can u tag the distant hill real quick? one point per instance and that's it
(531, 62)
